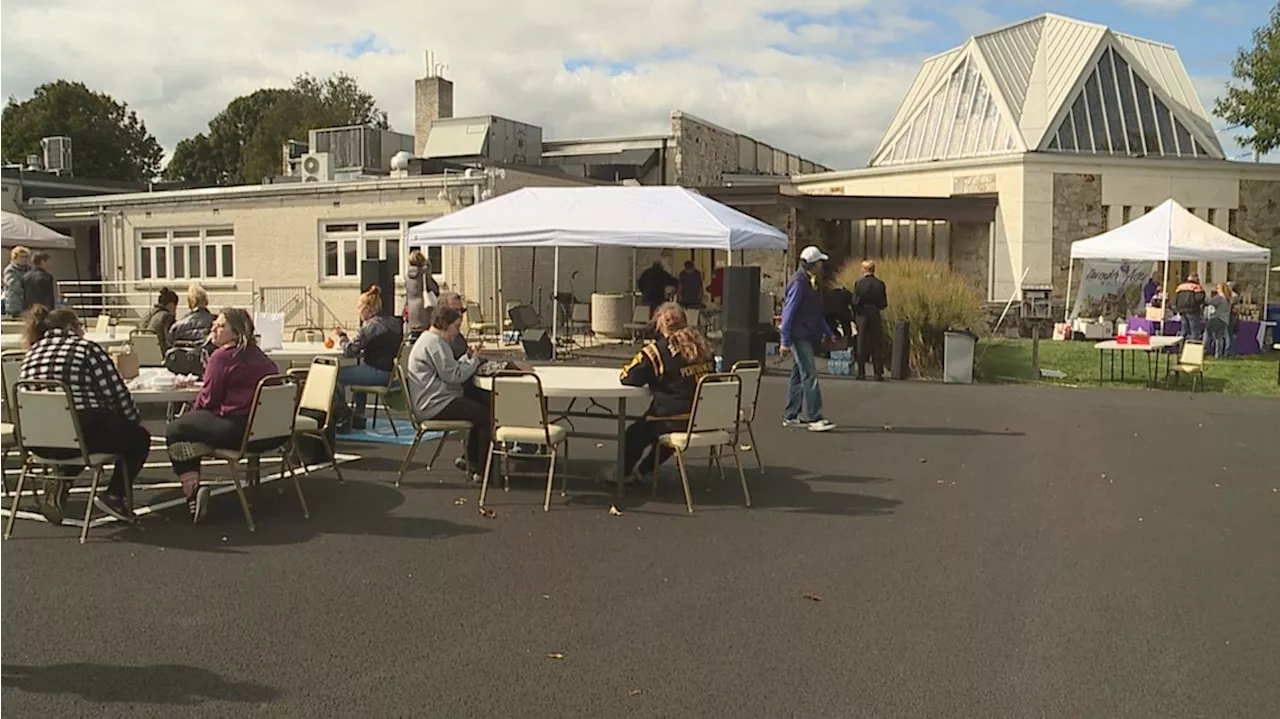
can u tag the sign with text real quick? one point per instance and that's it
(1110, 289)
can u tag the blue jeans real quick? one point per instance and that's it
(802, 391)
(362, 375)
(1216, 336)
(1192, 327)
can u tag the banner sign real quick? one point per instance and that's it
(1111, 289)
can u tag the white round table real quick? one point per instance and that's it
(144, 391)
(290, 352)
(590, 383)
(13, 340)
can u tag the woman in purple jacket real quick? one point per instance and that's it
(220, 414)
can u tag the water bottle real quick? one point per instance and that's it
(719, 363)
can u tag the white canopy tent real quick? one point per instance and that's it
(604, 216)
(1169, 233)
(18, 230)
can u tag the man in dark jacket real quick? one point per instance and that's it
(1189, 301)
(653, 284)
(37, 284)
(804, 330)
(869, 300)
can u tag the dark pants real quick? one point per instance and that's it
(870, 343)
(654, 305)
(465, 409)
(205, 427)
(107, 432)
(641, 435)
(841, 325)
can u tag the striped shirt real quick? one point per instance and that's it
(85, 367)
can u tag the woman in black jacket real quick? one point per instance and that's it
(196, 325)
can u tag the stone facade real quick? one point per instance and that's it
(703, 152)
(1258, 221)
(971, 252)
(1077, 215)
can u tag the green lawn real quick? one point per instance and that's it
(1005, 360)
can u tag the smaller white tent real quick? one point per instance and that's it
(18, 230)
(1169, 233)
(605, 216)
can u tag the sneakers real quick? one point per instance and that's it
(198, 504)
(53, 499)
(819, 425)
(114, 506)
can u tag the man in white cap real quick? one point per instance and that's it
(804, 329)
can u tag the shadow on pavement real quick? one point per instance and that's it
(930, 431)
(155, 684)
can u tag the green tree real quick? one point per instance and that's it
(1255, 103)
(243, 142)
(108, 140)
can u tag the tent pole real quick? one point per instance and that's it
(1266, 297)
(555, 306)
(1066, 312)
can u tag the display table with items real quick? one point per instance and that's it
(1249, 339)
(1131, 345)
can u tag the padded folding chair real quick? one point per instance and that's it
(146, 344)
(749, 372)
(713, 424)
(520, 415)
(317, 396)
(48, 424)
(272, 422)
(445, 427)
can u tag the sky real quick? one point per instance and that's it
(819, 78)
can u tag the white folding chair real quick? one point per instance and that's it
(520, 415)
(749, 372)
(270, 429)
(317, 396)
(146, 344)
(11, 368)
(49, 430)
(639, 322)
(713, 423)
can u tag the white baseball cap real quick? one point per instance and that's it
(812, 254)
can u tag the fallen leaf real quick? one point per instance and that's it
(614, 511)
(1104, 475)
(487, 513)
(923, 460)
(555, 655)
(942, 481)
(635, 692)
(812, 597)
(460, 501)
(546, 596)
(599, 445)
(888, 428)
(1216, 484)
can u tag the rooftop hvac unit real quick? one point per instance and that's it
(291, 154)
(360, 148)
(316, 167)
(57, 154)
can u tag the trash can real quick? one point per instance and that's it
(957, 360)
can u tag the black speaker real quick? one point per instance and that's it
(900, 363)
(741, 345)
(740, 303)
(382, 274)
(537, 345)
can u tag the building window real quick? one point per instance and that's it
(186, 254)
(1213, 216)
(1232, 220)
(1124, 214)
(1106, 217)
(343, 245)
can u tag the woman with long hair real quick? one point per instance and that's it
(1217, 331)
(57, 350)
(219, 416)
(199, 320)
(670, 367)
(376, 344)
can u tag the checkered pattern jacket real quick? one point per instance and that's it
(85, 367)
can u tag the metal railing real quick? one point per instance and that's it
(300, 307)
(132, 300)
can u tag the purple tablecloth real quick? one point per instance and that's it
(1246, 339)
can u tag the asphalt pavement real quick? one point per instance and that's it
(950, 551)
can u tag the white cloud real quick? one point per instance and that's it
(178, 63)
(1158, 5)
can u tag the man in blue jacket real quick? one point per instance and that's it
(804, 329)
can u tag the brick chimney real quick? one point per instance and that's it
(432, 100)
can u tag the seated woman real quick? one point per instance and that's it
(220, 414)
(437, 380)
(377, 344)
(196, 325)
(670, 367)
(161, 317)
(57, 350)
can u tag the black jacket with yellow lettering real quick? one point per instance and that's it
(672, 379)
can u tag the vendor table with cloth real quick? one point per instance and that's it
(1248, 339)
(590, 383)
(1153, 349)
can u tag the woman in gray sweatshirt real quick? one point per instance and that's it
(436, 381)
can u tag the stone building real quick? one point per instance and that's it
(1073, 129)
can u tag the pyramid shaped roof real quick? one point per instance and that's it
(1050, 84)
